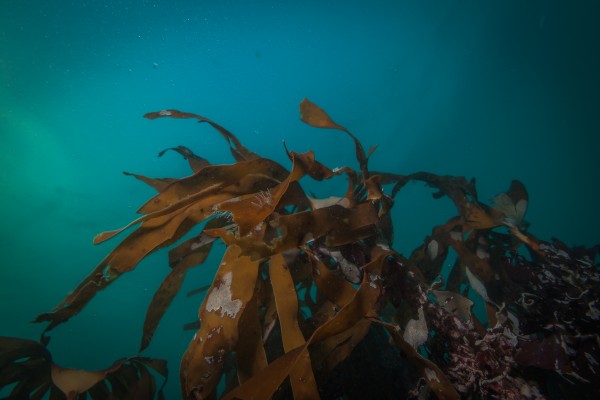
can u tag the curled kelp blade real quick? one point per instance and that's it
(73, 382)
(512, 204)
(27, 366)
(312, 167)
(24, 368)
(129, 377)
(238, 150)
(196, 162)
(462, 193)
(313, 115)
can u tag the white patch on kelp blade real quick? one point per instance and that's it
(219, 299)
(431, 375)
(416, 332)
(432, 250)
(477, 285)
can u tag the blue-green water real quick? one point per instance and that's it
(491, 90)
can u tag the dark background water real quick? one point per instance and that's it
(491, 90)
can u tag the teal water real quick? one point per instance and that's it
(491, 90)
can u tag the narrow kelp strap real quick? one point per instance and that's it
(220, 313)
(362, 305)
(238, 150)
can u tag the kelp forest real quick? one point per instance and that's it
(310, 300)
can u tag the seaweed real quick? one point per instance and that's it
(28, 365)
(310, 291)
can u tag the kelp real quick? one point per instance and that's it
(28, 365)
(305, 284)
(196, 162)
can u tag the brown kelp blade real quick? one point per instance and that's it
(313, 115)
(27, 366)
(199, 290)
(214, 180)
(124, 258)
(335, 289)
(238, 150)
(159, 184)
(437, 381)
(173, 212)
(220, 313)
(252, 209)
(187, 255)
(343, 344)
(192, 252)
(301, 378)
(166, 293)
(266, 382)
(212, 185)
(148, 238)
(196, 162)
(313, 168)
(336, 224)
(250, 354)
(458, 189)
(78, 298)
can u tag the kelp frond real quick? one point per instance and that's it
(28, 366)
(308, 289)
